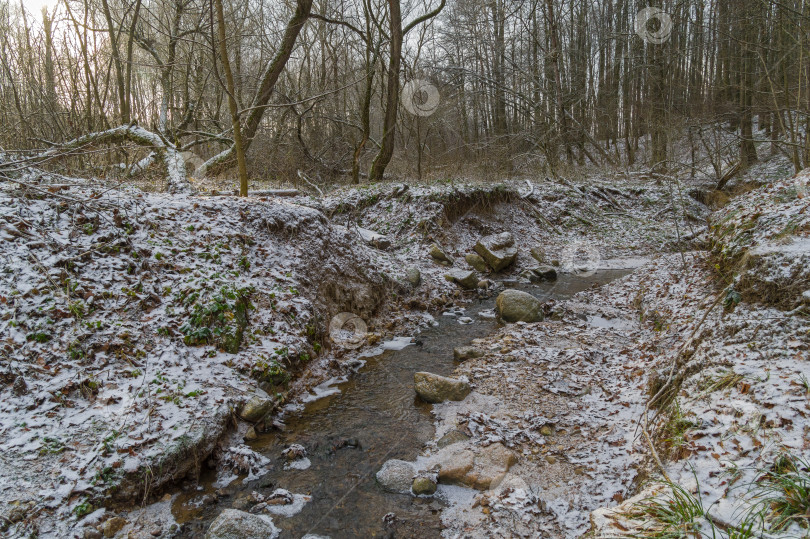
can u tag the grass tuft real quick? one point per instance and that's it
(783, 494)
(678, 514)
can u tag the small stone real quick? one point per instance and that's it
(374, 239)
(452, 437)
(256, 408)
(440, 256)
(545, 430)
(232, 523)
(538, 254)
(295, 452)
(542, 273)
(92, 533)
(423, 486)
(157, 532)
(550, 459)
(465, 279)
(463, 353)
(396, 476)
(243, 502)
(483, 471)
(434, 388)
(113, 526)
(414, 276)
(476, 262)
(250, 434)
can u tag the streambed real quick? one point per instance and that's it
(349, 434)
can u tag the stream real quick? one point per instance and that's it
(348, 436)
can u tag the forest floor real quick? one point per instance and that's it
(139, 331)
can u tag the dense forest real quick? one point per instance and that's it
(334, 89)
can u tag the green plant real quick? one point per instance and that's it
(217, 317)
(82, 509)
(783, 494)
(731, 300)
(75, 350)
(804, 382)
(677, 514)
(675, 429)
(723, 380)
(77, 309)
(51, 446)
(103, 475)
(108, 442)
(270, 371)
(39, 336)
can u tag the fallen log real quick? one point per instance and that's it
(175, 165)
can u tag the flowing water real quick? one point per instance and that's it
(349, 435)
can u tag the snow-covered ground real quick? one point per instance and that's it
(569, 396)
(135, 325)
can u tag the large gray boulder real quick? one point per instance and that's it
(396, 476)
(498, 250)
(517, 306)
(434, 388)
(236, 524)
(464, 278)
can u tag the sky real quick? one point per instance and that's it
(35, 6)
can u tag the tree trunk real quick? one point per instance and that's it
(392, 95)
(269, 78)
(237, 128)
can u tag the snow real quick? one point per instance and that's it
(110, 378)
(397, 343)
